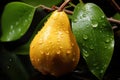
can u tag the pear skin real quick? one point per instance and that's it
(54, 49)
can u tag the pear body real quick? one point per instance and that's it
(54, 49)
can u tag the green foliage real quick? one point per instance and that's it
(90, 26)
(24, 49)
(16, 20)
(117, 16)
(12, 66)
(95, 37)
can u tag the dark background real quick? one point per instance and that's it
(81, 72)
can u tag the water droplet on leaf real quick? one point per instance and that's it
(106, 47)
(93, 71)
(11, 27)
(19, 29)
(8, 67)
(107, 40)
(75, 20)
(26, 20)
(101, 71)
(105, 66)
(85, 37)
(103, 16)
(85, 53)
(94, 64)
(94, 25)
(91, 47)
(16, 23)
(10, 59)
(100, 31)
(97, 67)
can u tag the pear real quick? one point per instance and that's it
(54, 49)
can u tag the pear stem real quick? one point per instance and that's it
(67, 11)
(71, 12)
(63, 5)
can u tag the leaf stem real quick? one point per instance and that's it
(73, 5)
(113, 20)
(116, 5)
(71, 12)
(46, 8)
(67, 11)
(63, 5)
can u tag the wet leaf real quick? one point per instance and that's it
(117, 16)
(12, 66)
(95, 37)
(16, 20)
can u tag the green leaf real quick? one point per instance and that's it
(117, 16)
(95, 37)
(11, 65)
(24, 49)
(16, 20)
(48, 3)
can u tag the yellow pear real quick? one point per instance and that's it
(54, 49)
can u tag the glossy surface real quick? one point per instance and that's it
(54, 49)
(95, 37)
(16, 20)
